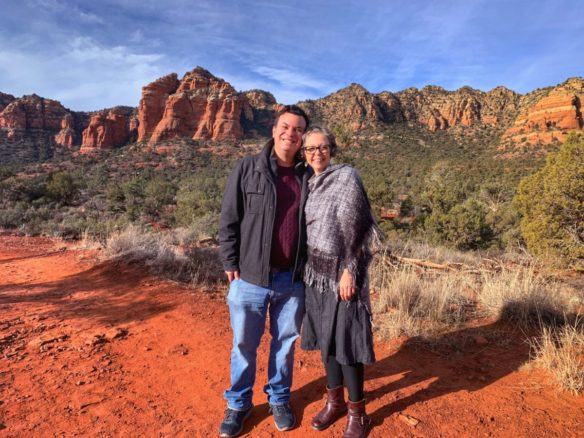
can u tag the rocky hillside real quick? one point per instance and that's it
(201, 106)
(547, 115)
(432, 107)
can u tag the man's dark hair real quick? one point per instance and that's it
(292, 109)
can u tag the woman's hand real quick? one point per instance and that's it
(346, 286)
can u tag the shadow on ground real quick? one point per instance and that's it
(110, 292)
(468, 359)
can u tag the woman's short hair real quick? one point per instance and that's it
(326, 132)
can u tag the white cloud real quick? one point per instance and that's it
(84, 49)
(290, 79)
(83, 75)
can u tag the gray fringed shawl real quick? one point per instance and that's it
(340, 228)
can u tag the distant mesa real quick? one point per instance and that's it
(201, 106)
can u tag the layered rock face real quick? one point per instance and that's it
(438, 109)
(548, 115)
(200, 106)
(31, 115)
(152, 103)
(109, 129)
(432, 107)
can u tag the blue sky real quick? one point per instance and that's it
(96, 54)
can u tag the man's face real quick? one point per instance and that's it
(288, 133)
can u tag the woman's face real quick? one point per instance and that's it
(317, 151)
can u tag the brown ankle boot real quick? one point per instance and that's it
(357, 420)
(334, 409)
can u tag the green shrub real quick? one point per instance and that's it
(158, 193)
(464, 227)
(551, 203)
(62, 187)
(197, 196)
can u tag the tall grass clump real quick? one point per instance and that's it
(411, 304)
(190, 264)
(561, 352)
(526, 297)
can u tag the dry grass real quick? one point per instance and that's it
(561, 352)
(411, 304)
(526, 297)
(162, 254)
(416, 301)
(88, 241)
(438, 254)
(428, 303)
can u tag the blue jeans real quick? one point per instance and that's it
(249, 306)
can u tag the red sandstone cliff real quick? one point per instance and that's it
(152, 103)
(432, 107)
(547, 115)
(200, 106)
(66, 136)
(31, 114)
(109, 129)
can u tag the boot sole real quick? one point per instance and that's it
(320, 429)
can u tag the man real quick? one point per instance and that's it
(262, 239)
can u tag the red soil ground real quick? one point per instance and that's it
(102, 349)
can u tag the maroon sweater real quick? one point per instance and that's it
(285, 234)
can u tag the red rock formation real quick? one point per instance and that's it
(5, 99)
(201, 107)
(31, 114)
(549, 115)
(66, 135)
(433, 107)
(107, 130)
(152, 103)
(439, 109)
(352, 107)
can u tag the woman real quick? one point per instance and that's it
(340, 227)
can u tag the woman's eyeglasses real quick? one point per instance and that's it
(325, 148)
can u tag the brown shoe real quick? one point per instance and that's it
(334, 409)
(357, 420)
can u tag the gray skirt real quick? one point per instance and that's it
(338, 328)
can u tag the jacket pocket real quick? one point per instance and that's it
(254, 193)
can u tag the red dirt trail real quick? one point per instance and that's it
(91, 348)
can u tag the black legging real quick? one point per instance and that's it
(352, 376)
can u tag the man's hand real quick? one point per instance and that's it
(232, 275)
(346, 286)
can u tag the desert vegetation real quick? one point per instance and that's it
(476, 239)
(424, 299)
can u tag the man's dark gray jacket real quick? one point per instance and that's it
(248, 212)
